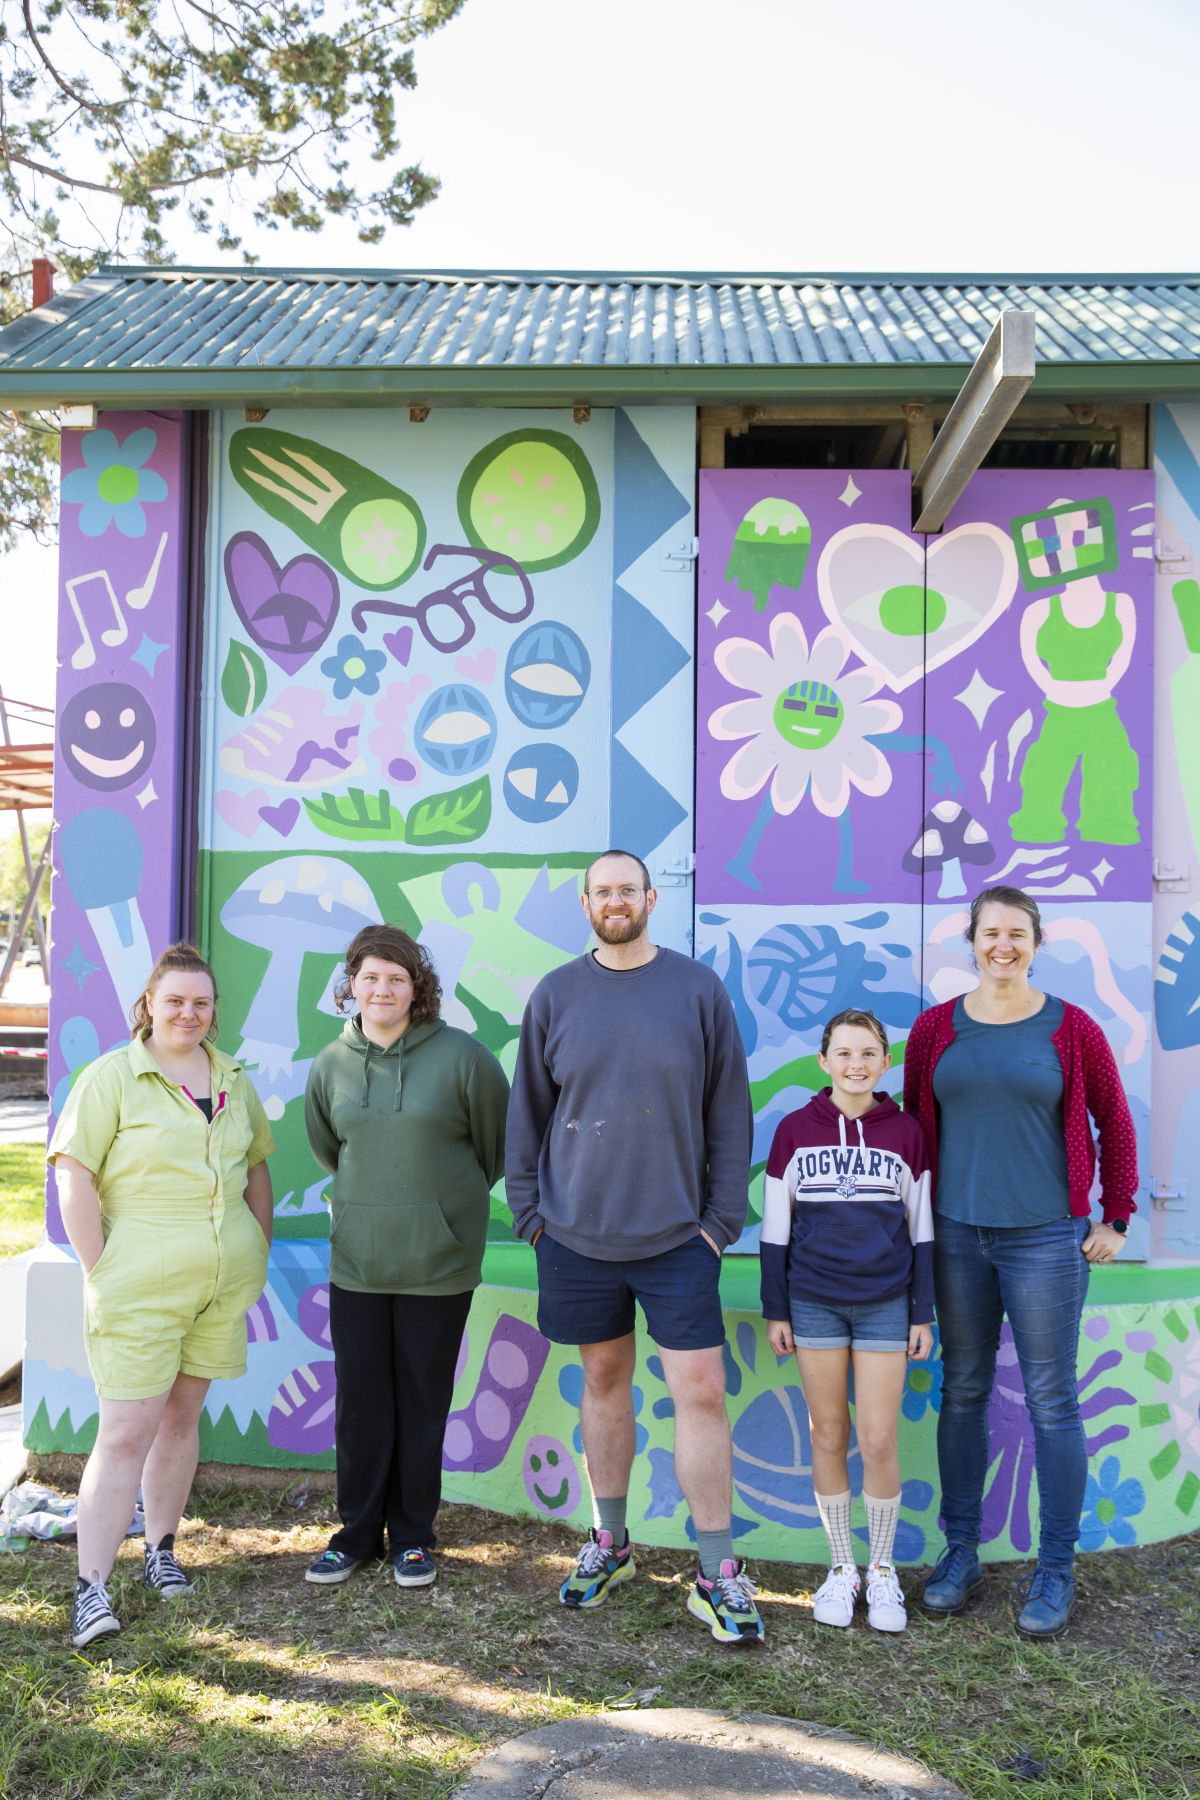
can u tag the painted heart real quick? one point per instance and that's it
(240, 811)
(288, 612)
(477, 668)
(399, 644)
(907, 610)
(280, 818)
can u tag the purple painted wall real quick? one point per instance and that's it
(117, 775)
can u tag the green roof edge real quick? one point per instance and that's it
(127, 390)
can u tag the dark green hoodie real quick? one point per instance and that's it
(414, 1139)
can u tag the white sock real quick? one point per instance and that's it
(835, 1517)
(882, 1517)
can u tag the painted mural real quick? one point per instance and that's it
(444, 662)
(123, 542)
(1177, 833)
(887, 723)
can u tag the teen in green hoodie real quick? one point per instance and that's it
(407, 1115)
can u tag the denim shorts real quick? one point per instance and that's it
(853, 1325)
(583, 1300)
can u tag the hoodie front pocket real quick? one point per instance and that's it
(398, 1249)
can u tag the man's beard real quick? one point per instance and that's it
(620, 931)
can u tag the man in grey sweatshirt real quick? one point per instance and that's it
(626, 1168)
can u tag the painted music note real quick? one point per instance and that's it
(85, 655)
(140, 596)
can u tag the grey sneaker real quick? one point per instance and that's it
(92, 1614)
(161, 1572)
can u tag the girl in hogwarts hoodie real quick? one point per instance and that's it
(847, 1278)
(407, 1115)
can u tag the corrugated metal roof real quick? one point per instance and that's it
(261, 325)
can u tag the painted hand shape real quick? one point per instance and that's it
(297, 742)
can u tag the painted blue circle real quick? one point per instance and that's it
(547, 675)
(540, 782)
(456, 730)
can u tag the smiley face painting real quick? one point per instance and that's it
(107, 735)
(551, 1477)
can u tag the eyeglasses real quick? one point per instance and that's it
(442, 614)
(622, 893)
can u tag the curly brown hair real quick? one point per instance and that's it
(176, 959)
(390, 944)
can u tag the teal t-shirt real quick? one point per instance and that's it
(1002, 1155)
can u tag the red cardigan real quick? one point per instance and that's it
(1091, 1084)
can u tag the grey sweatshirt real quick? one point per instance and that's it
(629, 1122)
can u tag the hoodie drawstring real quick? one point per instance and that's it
(841, 1119)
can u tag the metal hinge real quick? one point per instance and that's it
(1171, 878)
(1172, 556)
(676, 872)
(1168, 1199)
(683, 557)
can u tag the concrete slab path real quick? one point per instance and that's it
(683, 1753)
(23, 1121)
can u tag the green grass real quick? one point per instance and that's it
(263, 1687)
(22, 1196)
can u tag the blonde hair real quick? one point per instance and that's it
(176, 959)
(855, 1015)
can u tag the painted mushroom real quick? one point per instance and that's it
(290, 907)
(949, 837)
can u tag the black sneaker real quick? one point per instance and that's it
(92, 1614)
(414, 1568)
(161, 1572)
(332, 1567)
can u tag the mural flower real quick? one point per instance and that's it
(1006, 1502)
(809, 723)
(114, 482)
(353, 666)
(1108, 1505)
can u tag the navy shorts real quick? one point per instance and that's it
(851, 1325)
(582, 1300)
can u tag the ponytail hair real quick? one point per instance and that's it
(176, 959)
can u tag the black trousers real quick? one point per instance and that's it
(394, 1355)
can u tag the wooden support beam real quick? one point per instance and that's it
(712, 445)
(918, 435)
(1132, 439)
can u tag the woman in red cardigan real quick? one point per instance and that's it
(1002, 1081)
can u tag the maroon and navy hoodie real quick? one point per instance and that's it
(847, 1215)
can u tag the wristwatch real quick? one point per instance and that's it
(1118, 1225)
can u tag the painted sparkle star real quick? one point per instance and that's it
(77, 964)
(1102, 871)
(147, 796)
(849, 493)
(978, 696)
(148, 653)
(717, 612)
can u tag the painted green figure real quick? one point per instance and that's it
(1077, 646)
(1185, 701)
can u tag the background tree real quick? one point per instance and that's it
(14, 884)
(125, 122)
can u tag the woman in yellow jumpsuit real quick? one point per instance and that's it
(162, 1180)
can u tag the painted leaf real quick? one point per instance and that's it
(356, 814)
(453, 818)
(243, 679)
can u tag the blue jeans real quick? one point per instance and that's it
(1038, 1276)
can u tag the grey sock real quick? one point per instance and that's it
(834, 1511)
(609, 1515)
(714, 1547)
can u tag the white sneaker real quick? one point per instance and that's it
(885, 1601)
(834, 1600)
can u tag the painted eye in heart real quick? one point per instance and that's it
(908, 607)
(107, 735)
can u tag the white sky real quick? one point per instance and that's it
(933, 135)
